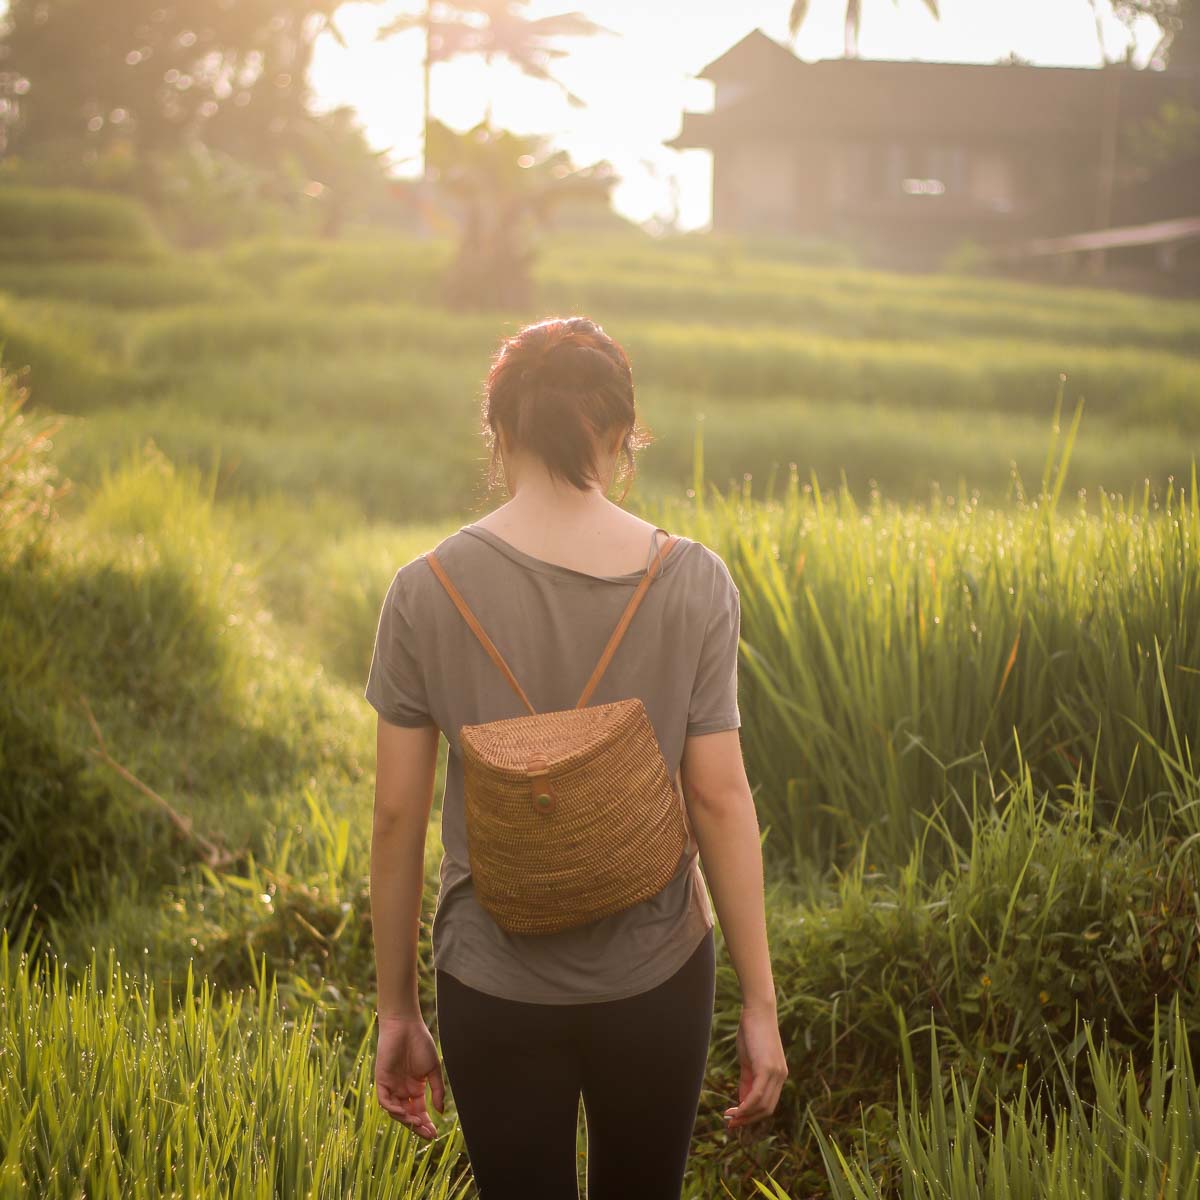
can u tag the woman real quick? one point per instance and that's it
(618, 1011)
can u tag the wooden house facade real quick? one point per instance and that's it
(917, 156)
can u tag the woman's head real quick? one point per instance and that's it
(562, 391)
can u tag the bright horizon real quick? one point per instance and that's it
(637, 85)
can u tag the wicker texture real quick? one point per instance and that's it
(571, 815)
(611, 836)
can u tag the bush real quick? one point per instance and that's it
(393, 273)
(64, 370)
(1042, 920)
(63, 223)
(199, 334)
(265, 262)
(141, 616)
(28, 485)
(159, 284)
(1134, 1133)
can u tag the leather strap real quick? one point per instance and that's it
(623, 623)
(476, 628)
(609, 650)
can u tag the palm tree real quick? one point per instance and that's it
(853, 20)
(502, 187)
(492, 29)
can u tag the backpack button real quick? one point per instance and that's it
(543, 800)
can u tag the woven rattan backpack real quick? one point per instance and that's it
(571, 815)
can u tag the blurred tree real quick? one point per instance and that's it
(157, 71)
(501, 188)
(1178, 20)
(853, 20)
(346, 174)
(492, 29)
(186, 102)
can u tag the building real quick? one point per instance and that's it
(909, 159)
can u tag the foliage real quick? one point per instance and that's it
(71, 224)
(62, 363)
(892, 654)
(1139, 1137)
(155, 74)
(852, 22)
(502, 187)
(710, 362)
(1167, 137)
(882, 381)
(125, 286)
(138, 618)
(1011, 822)
(28, 482)
(201, 109)
(1175, 18)
(1042, 917)
(108, 1085)
(492, 30)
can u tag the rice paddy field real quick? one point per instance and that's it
(963, 518)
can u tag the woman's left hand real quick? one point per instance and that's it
(406, 1058)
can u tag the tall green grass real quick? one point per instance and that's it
(29, 487)
(65, 370)
(1139, 1138)
(970, 731)
(991, 893)
(897, 656)
(1041, 917)
(109, 1088)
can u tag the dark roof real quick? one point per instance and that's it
(781, 94)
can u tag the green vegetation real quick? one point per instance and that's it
(111, 1088)
(68, 223)
(244, 357)
(1121, 1144)
(970, 728)
(896, 656)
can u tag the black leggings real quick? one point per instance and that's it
(517, 1070)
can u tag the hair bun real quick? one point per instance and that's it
(556, 404)
(576, 333)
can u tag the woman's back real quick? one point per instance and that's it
(550, 622)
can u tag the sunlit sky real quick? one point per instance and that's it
(638, 82)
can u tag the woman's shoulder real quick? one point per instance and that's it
(705, 571)
(701, 557)
(691, 560)
(457, 553)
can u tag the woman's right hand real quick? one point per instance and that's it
(763, 1067)
(405, 1060)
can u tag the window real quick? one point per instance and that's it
(992, 181)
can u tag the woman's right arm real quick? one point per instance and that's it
(724, 822)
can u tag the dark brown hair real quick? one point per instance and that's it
(555, 388)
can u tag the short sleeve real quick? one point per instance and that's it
(396, 683)
(714, 703)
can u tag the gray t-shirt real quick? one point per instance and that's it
(551, 623)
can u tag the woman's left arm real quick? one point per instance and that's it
(405, 764)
